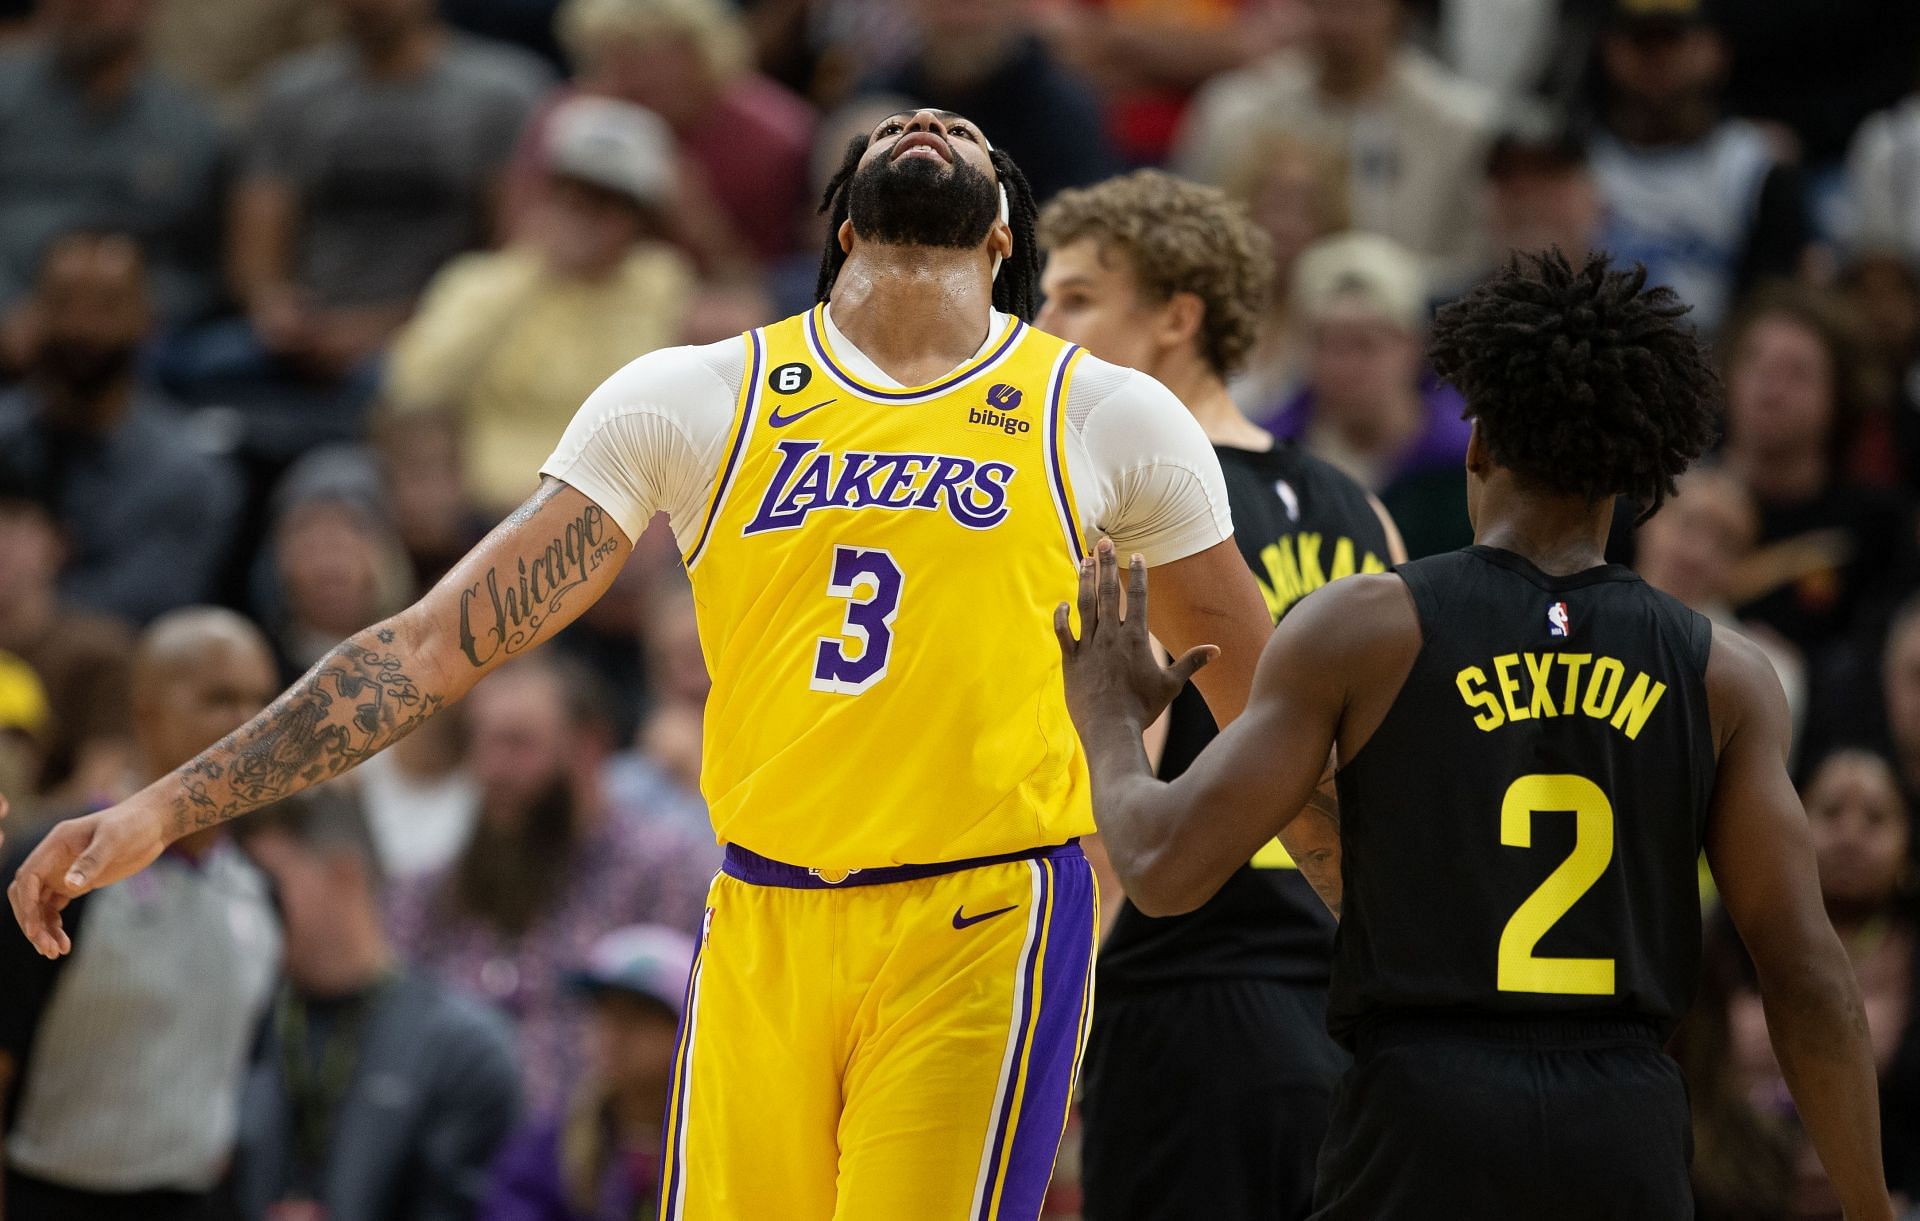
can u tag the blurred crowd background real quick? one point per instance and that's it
(295, 295)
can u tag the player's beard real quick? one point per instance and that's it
(919, 202)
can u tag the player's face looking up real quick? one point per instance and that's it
(924, 180)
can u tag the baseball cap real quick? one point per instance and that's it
(1648, 15)
(1534, 139)
(23, 701)
(1364, 271)
(612, 144)
(647, 960)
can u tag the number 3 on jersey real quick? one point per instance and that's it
(1520, 969)
(854, 661)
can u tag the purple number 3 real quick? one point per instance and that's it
(870, 582)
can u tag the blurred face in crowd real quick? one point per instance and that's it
(674, 659)
(1362, 367)
(632, 1043)
(591, 229)
(1691, 546)
(1094, 300)
(1860, 830)
(926, 180)
(1901, 679)
(330, 568)
(378, 24)
(311, 886)
(1780, 388)
(91, 301)
(519, 743)
(1289, 203)
(1534, 206)
(30, 549)
(420, 468)
(944, 19)
(184, 707)
(1886, 294)
(1355, 35)
(664, 70)
(1665, 66)
(89, 34)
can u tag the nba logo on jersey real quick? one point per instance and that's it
(1558, 621)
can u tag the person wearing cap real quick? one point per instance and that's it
(1540, 190)
(512, 340)
(598, 1158)
(1709, 203)
(1370, 405)
(378, 1094)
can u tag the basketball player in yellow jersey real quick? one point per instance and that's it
(880, 502)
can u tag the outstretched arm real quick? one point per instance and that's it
(526, 580)
(1173, 845)
(1761, 854)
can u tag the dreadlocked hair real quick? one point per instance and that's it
(1583, 380)
(1016, 290)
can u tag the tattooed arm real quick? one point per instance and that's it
(535, 573)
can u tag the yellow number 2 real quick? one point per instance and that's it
(1520, 969)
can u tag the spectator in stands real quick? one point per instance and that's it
(985, 59)
(146, 515)
(1883, 182)
(743, 139)
(1296, 191)
(1861, 835)
(1414, 135)
(337, 562)
(91, 137)
(1707, 202)
(378, 1094)
(552, 864)
(1370, 406)
(1882, 287)
(84, 660)
(515, 340)
(598, 1157)
(1900, 691)
(1694, 547)
(1833, 556)
(419, 454)
(26, 724)
(662, 771)
(222, 48)
(1540, 191)
(371, 162)
(123, 1061)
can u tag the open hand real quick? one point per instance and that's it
(79, 855)
(1111, 670)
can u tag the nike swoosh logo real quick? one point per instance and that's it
(777, 420)
(962, 920)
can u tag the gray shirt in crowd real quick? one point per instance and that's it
(433, 1091)
(392, 177)
(148, 515)
(137, 1043)
(148, 165)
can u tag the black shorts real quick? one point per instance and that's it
(1206, 1101)
(1459, 1120)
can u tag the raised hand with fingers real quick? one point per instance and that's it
(1113, 677)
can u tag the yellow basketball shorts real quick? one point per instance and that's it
(898, 1044)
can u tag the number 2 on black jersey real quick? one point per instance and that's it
(1520, 969)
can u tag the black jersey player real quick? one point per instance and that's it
(1534, 746)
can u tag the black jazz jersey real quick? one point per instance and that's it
(1299, 524)
(1520, 835)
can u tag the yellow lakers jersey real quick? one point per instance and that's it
(875, 579)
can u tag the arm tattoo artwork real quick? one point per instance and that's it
(353, 704)
(1313, 841)
(508, 615)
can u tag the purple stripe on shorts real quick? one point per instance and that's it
(748, 866)
(1058, 1039)
(672, 1170)
(1000, 1122)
